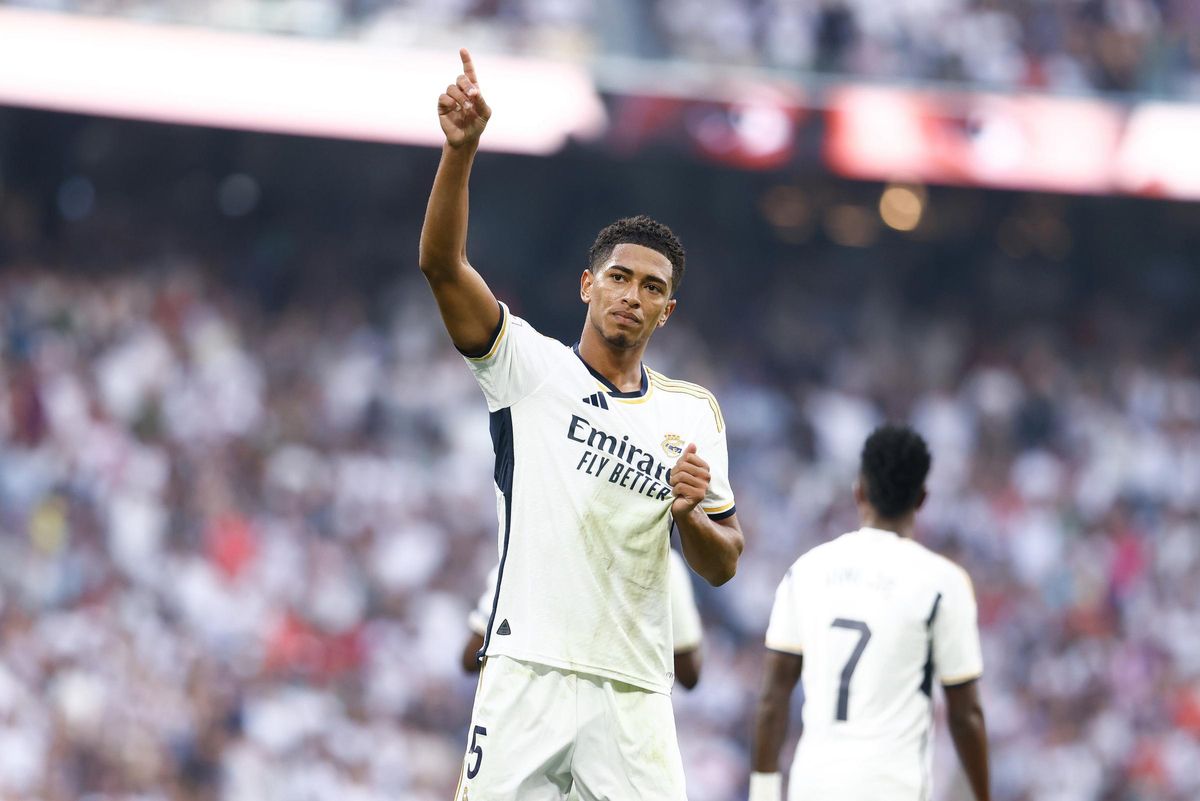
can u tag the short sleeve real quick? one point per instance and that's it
(477, 620)
(957, 657)
(784, 630)
(718, 502)
(686, 631)
(516, 362)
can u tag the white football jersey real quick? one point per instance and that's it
(686, 630)
(584, 506)
(878, 618)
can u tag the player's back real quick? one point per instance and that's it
(877, 618)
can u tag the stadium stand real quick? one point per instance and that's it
(1072, 46)
(241, 527)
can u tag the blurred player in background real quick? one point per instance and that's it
(686, 631)
(871, 619)
(597, 460)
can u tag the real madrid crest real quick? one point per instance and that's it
(672, 445)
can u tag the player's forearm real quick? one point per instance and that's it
(444, 234)
(969, 733)
(770, 729)
(710, 548)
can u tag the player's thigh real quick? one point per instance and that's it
(521, 734)
(627, 750)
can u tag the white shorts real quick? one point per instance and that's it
(818, 775)
(538, 733)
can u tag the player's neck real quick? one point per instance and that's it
(902, 526)
(621, 366)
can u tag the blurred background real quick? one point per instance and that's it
(245, 481)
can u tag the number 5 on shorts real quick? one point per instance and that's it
(476, 749)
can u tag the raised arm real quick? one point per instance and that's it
(468, 307)
(967, 729)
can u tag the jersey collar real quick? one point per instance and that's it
(872, 530)
(609, 386)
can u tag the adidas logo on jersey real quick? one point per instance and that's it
(597, 400)
(504, 627)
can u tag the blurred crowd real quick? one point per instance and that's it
(238, 547)
(1075, 46)
(1144, 46)
(223, 575)
(245, 481)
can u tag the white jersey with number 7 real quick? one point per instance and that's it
(877, 618)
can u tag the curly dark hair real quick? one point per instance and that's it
(895, 462)
(644, 231)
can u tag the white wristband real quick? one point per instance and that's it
(766, 787)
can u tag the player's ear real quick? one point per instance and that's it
(585, 285)
(670, 307)
(860, 494)
(921, 499)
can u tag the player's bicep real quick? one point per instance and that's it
(957, 655)
(469, 310)
(784, 630)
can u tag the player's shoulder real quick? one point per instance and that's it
(524, 329)
(942, 567)
(817, 556)
(798, 579)
(515, 321)
(678, 385)
(687, 392)
(843, 551)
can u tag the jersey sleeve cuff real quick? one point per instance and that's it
(494, 343)
(721, 512)
(963, 678)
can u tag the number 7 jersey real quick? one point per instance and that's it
(877, 618)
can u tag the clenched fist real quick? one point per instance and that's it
(689, 482)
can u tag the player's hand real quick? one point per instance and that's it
(462, 111)
(689, 481)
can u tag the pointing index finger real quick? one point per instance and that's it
(468, 65)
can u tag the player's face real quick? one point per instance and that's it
(629, 295)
